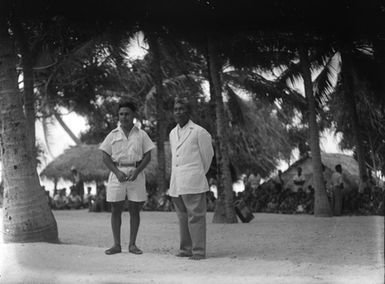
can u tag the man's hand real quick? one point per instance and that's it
(132, 175)
(121, 176)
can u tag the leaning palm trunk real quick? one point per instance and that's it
(26, 214)
(349, 78)
(223, 162)
(160, 115)
(321, 202)
(66, 128)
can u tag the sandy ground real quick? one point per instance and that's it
(272, 248)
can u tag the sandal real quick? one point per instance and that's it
(113, 250)
(134, 249)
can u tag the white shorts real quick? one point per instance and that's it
(134, 190)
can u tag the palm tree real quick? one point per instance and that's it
(224, 209)
(26, 214)
(321, 204)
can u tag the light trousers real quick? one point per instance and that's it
(191, 212)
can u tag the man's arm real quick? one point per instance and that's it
(206, 149)
(111, 166)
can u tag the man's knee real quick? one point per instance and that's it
(117, 207)
(135, 207)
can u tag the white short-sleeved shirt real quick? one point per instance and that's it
(124, 149)
(129, 149)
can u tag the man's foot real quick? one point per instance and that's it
(113, 250)
(184, 254)
(134, 249)
(197, 257)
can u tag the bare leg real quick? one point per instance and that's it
(116, 223)
(135, 208)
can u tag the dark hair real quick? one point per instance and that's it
(128, 104)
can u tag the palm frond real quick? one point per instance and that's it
(291, 74)
(325, 81)
(263, 88)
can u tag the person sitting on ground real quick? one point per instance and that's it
(74, 200)
(60, 200)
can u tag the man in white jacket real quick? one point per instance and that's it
(192, 152)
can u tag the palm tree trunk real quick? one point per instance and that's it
(160, 114)
(26, 214)
(228, 214)
(29, 102)
(321, 202)
(349, 78)
(28, 82)
(220, 212)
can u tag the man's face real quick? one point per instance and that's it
(126, 116)
(181, 114)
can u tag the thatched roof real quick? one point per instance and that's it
(87, 159)
(349, 170)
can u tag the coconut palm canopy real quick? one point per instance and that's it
(349, 171)
(87, 159)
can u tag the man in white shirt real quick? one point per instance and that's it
(126, 152)
(192, 152)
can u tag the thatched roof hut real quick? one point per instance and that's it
(87, 159)
(349, 170)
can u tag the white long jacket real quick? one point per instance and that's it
(191, 158)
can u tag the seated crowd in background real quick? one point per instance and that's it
(277, 199)
(367, 200)
(95, 203)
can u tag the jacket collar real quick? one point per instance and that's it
(188, 129)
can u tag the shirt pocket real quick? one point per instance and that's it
(117, 147)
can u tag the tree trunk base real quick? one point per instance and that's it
(220, 214)
(48, 235)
